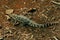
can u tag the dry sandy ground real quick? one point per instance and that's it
(44, 11)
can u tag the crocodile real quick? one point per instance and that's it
(28, 22)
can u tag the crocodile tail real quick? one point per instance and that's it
(43, 25)
(49, 24)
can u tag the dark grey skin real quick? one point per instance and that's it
(27, 22)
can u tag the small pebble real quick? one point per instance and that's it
(24, 2)
(8, 11)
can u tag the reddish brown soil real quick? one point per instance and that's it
(51, 14)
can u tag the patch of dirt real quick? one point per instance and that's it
(41, 11)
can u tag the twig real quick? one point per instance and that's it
(55, 37)
(55, 2)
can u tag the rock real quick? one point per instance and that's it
(8, 11)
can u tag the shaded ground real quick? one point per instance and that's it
(45, 11)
